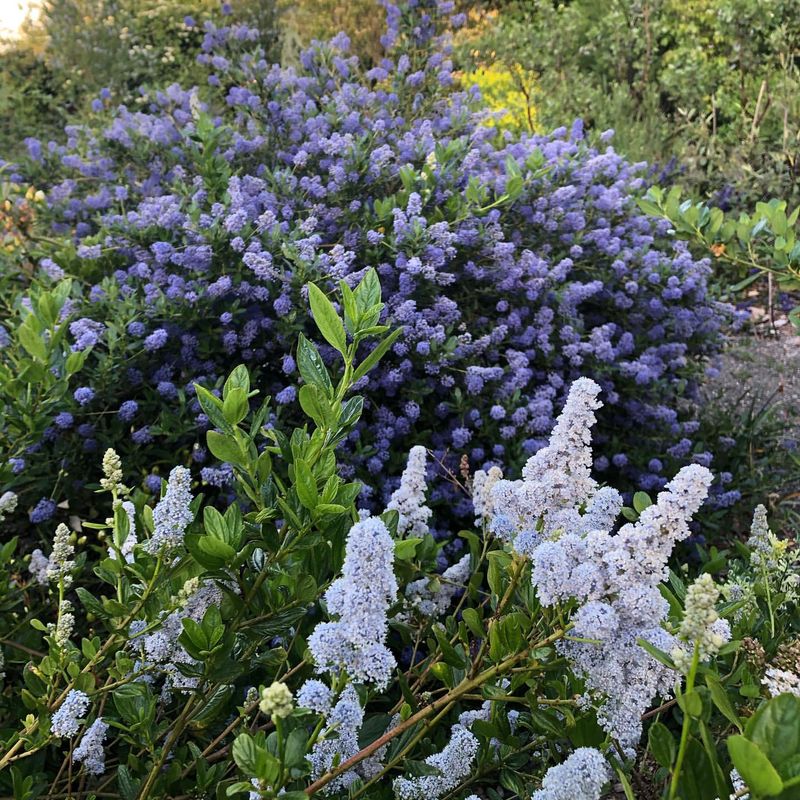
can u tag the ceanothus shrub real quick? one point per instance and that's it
(513, 265)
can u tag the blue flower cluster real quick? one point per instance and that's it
(514, 265)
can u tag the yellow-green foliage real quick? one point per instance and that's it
(364, 21)
(508, 93)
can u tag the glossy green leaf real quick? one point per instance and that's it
(328, 321)
(754, 767)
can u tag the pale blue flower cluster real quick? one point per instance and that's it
(559, 517)
(454, 764)
(345, 720)
(433, 602)
(315, 695)
(409, 498)
(65, 721)
(90, 750)
(616, 578)
(360, 598)
(172, 515)
(581, 777)
(556, 481)
(161, 652)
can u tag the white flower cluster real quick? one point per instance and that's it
(559, 517)
(581, 777)
(556, 481)
(90, 750)
(482, 485)
(701, 626)
(781, 681)
(276, 700)
(762, 554)
(62, 630)
(433, 602)
(454, 764)
(65, 721)
(112, 473)
(172, 514)
(8, 503)
(361, 597)
(130, 540)
(409, 498)
(59, 564)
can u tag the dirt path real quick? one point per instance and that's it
(754, 368)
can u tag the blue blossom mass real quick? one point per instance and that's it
(331, 167)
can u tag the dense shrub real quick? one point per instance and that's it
(513, 266)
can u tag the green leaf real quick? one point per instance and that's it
(641, 501)
(317, 405)
(696, 780)
(649, 208)
(238, 379)
(404, 549)
(658, 655)
(351, 412)
(306, 484)
(722, 701)
(246, 754)
(131, 701)
(212, 407)
(368, 291)
(214, 524)
(225, 447)
(775, 728)
(691, 703)
(311, 366)
(474, 622)
(349, 306)
(328, 321)
(90, 602)
(626, 784)
(216, 548)
(754, 767)
(330, 508)
(32, 342)
(662, 745)
(128, 786)
(236, 405)
(75, 361)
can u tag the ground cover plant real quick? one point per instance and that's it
(189, 227)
